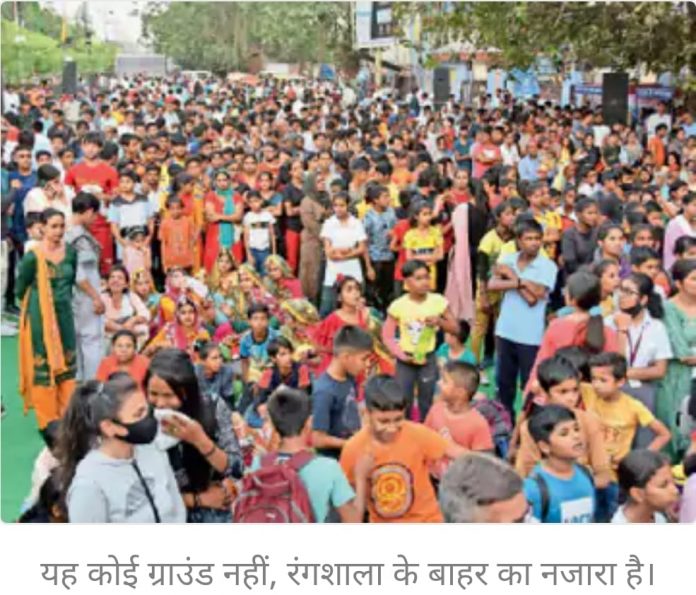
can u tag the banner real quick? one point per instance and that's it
(374, 25)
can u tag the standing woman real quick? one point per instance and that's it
(223, 214)
(314, 208)
(207, 457)
(109, 468)
(680, 380)
(292, 199)
(47, 345)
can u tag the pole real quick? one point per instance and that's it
(378, 68)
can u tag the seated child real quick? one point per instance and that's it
(453, 417)
(216, 379)
(402, 453)
(646, 479)
(253, 349)
(327, 487)
(559, 490)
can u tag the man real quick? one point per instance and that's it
(655, 119)
(528, 167)
(478, 488)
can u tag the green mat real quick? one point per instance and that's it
(20, 441)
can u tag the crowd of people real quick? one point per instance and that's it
(219, 287)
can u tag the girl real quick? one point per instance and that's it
(124, 358)
(608, 272)
(680, 380)
(207, 458)
(44, 286)
(292, 199)
(124, 309)
(280, 282)
(611, 240)
(424, 240)
(216, 380)
(111, 471)
(646, 479)
(643, 340)
(183, 332)
(143, 286)
(223, 213)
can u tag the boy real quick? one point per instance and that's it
(559, 490)
(453, 417)
(129, 210)
(35, 230)
(559, 385)
(619, 414)
(253, 346)
(334, 406)
(259, 237)
(527, 278)
(402, 452)
(177, 234)
(323, 477)
(379, 222)
(418, 316)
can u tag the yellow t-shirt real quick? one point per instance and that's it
(411, 317)
(620, 419)
(491, 244)
(425, 244)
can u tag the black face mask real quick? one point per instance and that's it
(142, 431)
(633, 311)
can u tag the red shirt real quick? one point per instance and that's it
(101, 174)
(400, 230)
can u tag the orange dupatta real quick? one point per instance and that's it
(51, 333)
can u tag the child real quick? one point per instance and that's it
(454, 348)
(335, 414)
(647, 261)
(327, 488)
(129, 210)
(253, 346)
(259, 237)
(424, 240)
(417, 315)
(559, 385)
(527, 278)
(178, 236)
(452, 415)
(379, 223)
(646, 479)
(559, 490)
(619, 414)
(137, 255)
(35, 229)
(401, 453)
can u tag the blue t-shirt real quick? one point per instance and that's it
(570, 500)
(518, 321)
(377, 227)
(256, 352)
(326, 484)
(28, 182)
(334, 409)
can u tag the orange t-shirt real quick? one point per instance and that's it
(469, 430)
(657, 148)
(400, 490)
(177, 236)
(137, 368)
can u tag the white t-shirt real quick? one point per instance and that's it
(343, 235)
(620, 517)
(259, 226)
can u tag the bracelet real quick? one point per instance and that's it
(210, 452)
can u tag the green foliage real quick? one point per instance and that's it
(221, 36)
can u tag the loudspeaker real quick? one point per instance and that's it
(615, 98)
(69, 77)
(441, 86)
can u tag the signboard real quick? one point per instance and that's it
(641, 92)
(374, 25)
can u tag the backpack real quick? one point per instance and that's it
(544, 490)
(275, 493)
(499, 421)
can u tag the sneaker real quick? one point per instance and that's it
(8, 330)
(484, 378)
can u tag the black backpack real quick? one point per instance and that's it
(544, 490)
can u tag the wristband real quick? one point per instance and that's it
(210, 452)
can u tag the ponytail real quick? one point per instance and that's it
(594, 337)
(91, 403)
(655, 306)
(646, 287)
(586, 290)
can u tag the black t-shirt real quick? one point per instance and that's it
(294, 196)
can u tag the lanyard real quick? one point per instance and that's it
(633, 349)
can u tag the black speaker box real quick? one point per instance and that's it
(615, 98)
(70, 77)
(441, 86)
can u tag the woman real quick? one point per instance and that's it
(207, 458)
(314, 208)
(300, 318)
(350, 310)
(216, 379)
(176, 286)
(124, 309)
(223, 212)
(608, 272)
(124, 358)
(631, 150)
(279, 281)
(143, 286)
(583, 327)
(611, 241)
(111, 471)
(183, 333)
(680, 380)
(50, 193)
(47, 345)
(643, 340)
(225, 264)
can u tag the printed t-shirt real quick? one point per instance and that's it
(400, 487)
(411, 317)
(425, 245)
(570, 500)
